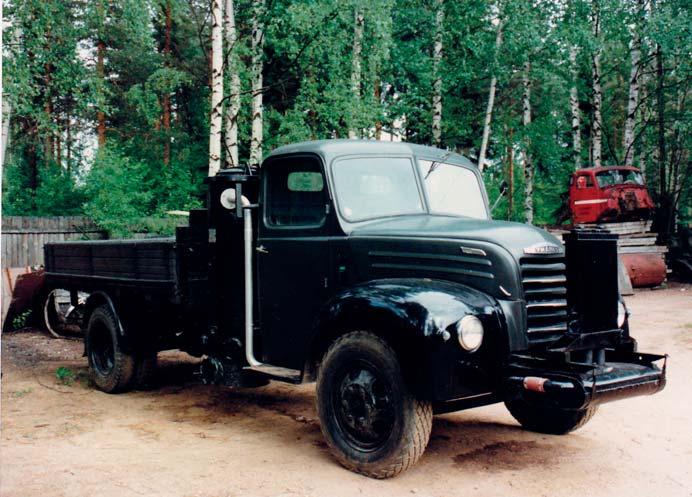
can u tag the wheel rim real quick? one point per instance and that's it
(101, 350)
(363, 407)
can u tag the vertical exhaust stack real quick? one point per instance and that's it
(232, 238)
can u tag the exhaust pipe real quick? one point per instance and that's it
(249, 296)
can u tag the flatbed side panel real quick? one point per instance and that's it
(128, 263)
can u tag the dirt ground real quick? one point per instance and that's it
(187, 439)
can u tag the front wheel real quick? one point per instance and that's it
(551, 420)
(372, 423)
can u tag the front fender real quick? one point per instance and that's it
(417, 317)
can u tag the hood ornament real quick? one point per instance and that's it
(543, 249)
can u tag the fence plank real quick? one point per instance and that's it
(23, 237)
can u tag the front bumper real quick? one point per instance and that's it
(552, 382)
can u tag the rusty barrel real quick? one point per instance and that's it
(645, 270)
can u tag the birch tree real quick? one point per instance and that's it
(491, 99)
(574, 107)
(257, 95)
(356, 65)
(216, 87)
(528, 161)
(633, 98)
(597, 124)
(233, 107)
(437, 81)
(166, 116)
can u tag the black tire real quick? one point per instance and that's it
(111, 369)
(551, 420)
(371, 422)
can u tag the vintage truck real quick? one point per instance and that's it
(602, 194)
(375, 269)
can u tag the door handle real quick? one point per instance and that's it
(261, 249)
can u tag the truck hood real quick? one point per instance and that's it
(515, 237)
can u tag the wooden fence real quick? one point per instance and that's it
(23, 237)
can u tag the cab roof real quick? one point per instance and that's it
(329, 149)
(589, 170)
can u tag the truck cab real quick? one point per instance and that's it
(617, 193)
(376, 270)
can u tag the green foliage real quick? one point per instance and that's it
(54, 165)
(20, 321)
(65, 376)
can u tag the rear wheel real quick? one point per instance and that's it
(550, 420)
(372, 423)
(111, 368)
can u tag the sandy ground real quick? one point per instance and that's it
(187, 439)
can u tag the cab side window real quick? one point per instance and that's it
(295, 193)
(584, 181)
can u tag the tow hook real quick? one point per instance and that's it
(541, 385)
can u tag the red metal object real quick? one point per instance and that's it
(600, 194)
(645, 270)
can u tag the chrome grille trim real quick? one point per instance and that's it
(544, 285)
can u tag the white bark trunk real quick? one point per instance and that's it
(257, 62)
(216, 118)
(633, 100)
(491, 104)
(233, 107)
(574, 107)
(6, 112)
(597, 125)
(356, 63)
(528, 162)
(437, 83)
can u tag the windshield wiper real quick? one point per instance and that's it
(436, 163)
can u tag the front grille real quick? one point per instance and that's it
(545, 292)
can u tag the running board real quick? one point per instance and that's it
(287, 375)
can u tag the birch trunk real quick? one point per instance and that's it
(257, 105)
(215, 120)
(6, 112)
(633, 100)
(356, 69)
(528, 162)
(233, 107)
(166, 117)
(437, 83)
(491, 104)
(597, 125)
(100, 115)
(574, 107)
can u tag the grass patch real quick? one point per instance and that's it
(21, 393)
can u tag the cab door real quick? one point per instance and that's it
(292, 253)
(585, 199)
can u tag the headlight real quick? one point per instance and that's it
(622, 313)
(470, 333)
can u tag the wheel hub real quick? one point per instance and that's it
(364, 408)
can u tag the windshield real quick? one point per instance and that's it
(453, 190)
(374, 187)
(619, 177)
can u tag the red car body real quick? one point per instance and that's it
(599, 194)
